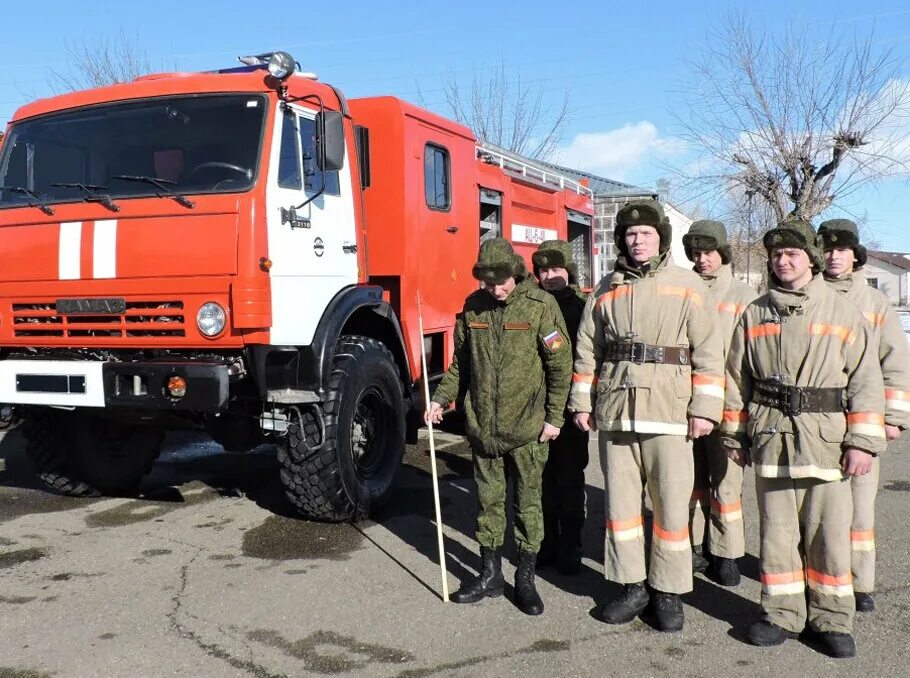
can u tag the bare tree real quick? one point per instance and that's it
(107, 62)
(796, 122)
(511, 114)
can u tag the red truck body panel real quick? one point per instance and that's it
(166, 260)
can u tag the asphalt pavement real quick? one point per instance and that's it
(209, 573)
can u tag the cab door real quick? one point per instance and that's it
(315, 255)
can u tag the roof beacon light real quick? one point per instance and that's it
(281, 65)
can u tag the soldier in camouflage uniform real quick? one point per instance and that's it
(564, 474)
(513, 364)
(844, 260)
(805, 403)
(717, 496)
(649, 366)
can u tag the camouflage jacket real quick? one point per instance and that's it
(888, 338)
(664, 306)
(731, 297)
(808, 338)
(513, 363)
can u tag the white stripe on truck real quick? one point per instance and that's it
(105, 249)
(69, 251)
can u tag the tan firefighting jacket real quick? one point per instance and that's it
(731, 297)
(664, 306)
(888, 336)
(808, 338)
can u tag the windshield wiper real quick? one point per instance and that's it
(160, 184)
(91, 194)
(41, 204)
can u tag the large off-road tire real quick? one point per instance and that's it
(83, 454)
(354, 470)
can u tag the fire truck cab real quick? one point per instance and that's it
(243, 251)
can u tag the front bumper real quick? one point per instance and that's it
(86, 383)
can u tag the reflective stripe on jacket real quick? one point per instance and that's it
(663, 305)
(888, 337)
(807, 338)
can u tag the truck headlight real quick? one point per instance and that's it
(211, 319)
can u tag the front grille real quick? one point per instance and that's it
(140, 319)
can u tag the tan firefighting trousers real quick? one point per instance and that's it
(805, 541)
(862, 532)
(663, 464)
(717, 500)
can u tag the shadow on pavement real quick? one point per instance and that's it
(186, 456)
(727, 605)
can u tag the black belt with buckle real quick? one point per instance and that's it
(639, 352)
(794, 400)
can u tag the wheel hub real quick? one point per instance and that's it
(367, 430)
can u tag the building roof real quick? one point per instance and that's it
(600, 185)
(898, 259)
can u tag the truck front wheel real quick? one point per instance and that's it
(353, 470)
(82, 454)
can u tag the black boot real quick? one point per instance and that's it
(526, 597)
(569, 559)
(627, 605)
(724, 571)
(837, 645)
(766, 634)
(668, 611)
(488, 584)
(864, 602)
(699, 562)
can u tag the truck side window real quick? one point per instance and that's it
(311, 171)
(436, 177)
(289, 154)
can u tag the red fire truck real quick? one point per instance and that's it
(242, 251)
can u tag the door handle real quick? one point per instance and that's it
(452, 229)
(350, 249)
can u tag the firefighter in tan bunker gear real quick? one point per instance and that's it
(649, 368)
(512, 365)
(804, 404)
(844, 261)
(717, 495)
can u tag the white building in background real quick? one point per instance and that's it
(889, 272)
(680, 223)
(609, 197)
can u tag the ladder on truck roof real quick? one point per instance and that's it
(507, 161)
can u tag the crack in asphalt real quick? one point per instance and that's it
(211, 649)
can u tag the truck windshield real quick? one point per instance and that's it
(193, 144)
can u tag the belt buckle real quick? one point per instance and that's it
(640, 357)
(795, 401)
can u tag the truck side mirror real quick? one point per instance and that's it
(330, 128)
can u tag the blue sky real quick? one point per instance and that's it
(622, 64)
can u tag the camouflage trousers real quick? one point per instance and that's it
(524, 467)
(862, 531)
(805, 544)
(716, 502)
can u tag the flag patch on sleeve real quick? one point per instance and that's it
(553, 340)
